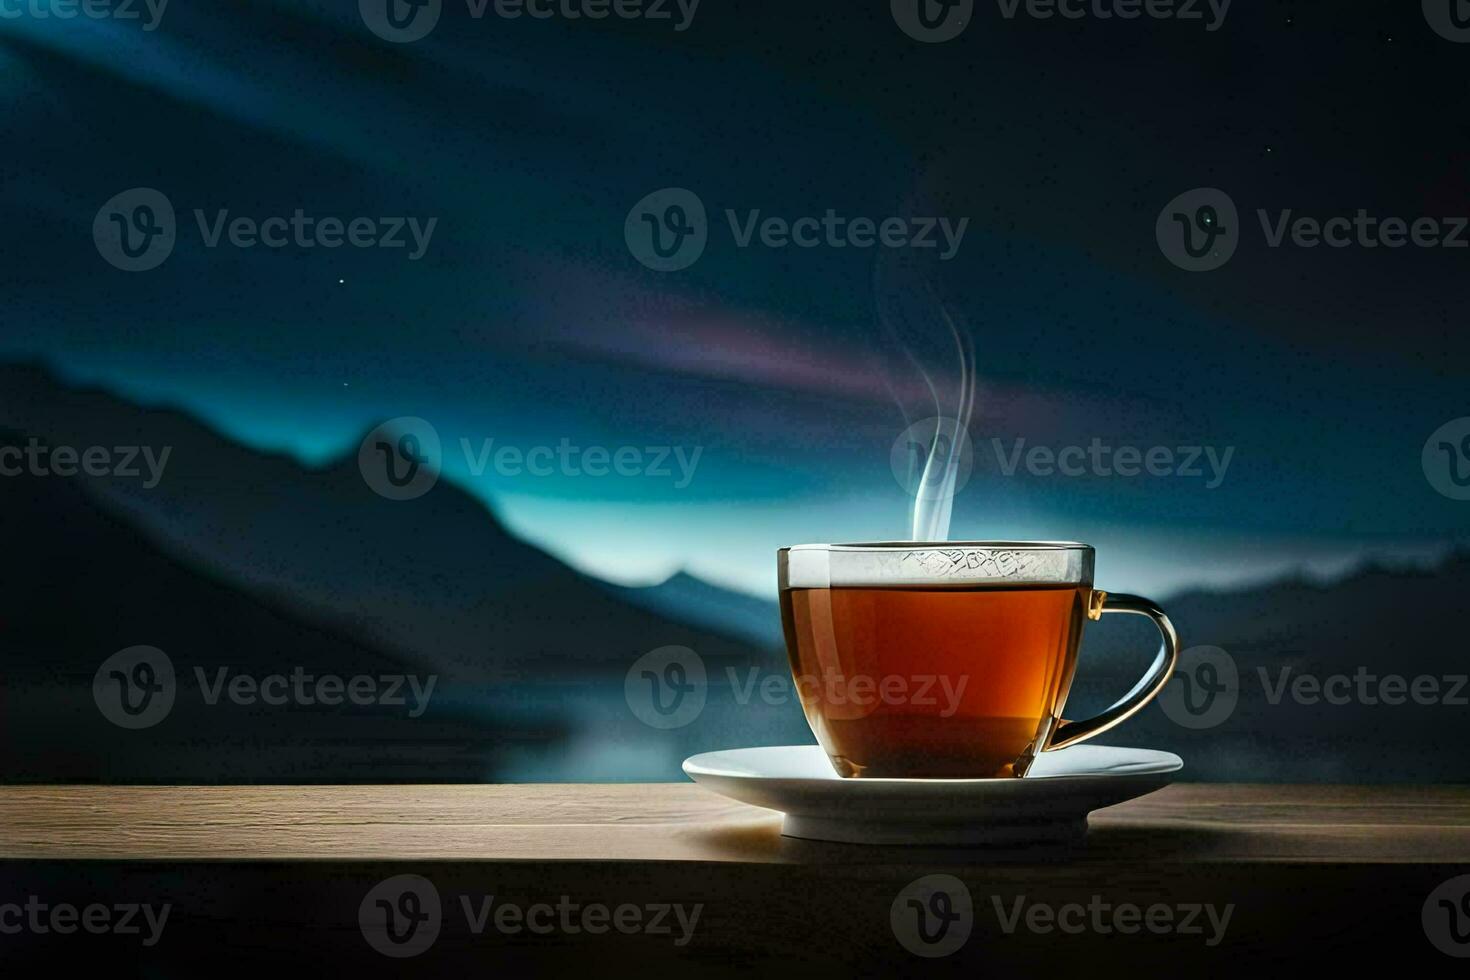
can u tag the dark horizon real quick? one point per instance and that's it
(1368, 561)
(522, 690)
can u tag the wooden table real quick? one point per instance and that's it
(1310, 875)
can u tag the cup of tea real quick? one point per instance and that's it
(948, 659)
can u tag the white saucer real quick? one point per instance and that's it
(1050, 805)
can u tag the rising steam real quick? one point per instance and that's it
(934, 501)
(940, 443)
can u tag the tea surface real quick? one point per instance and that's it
(932, 682)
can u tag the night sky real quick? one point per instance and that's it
(528, 320)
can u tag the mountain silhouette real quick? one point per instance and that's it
(253, 563)
(1316, 664)
(436, 579)
(693, 600)
(79, 585)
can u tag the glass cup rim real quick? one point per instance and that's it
(932, 545)
(940, 564)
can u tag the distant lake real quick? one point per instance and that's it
(584, 731)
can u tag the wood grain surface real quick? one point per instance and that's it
(275, 878)
(679, 822)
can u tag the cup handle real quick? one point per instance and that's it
(1071, 732)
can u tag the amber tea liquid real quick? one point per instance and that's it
(930, 682)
